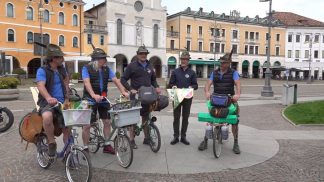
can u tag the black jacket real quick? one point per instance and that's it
(138, 76)
(183, 78)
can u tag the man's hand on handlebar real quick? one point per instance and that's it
(236, 98)
(158, 90)
(207, 94)
(125, 94)
(98, 98)
(51, 101)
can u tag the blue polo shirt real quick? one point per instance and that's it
(57, 90)
(236, 76)
(85, 74)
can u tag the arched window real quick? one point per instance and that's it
(11, 35)
(155, 36)
(119, 32)
(46, 16)
(10, 10)
(30, 13)
(75, 42)
(30, 37)
(47, 38)
(61, 18)
(75, 20)
(61, 40)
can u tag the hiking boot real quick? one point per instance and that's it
(52, 150)
(147, 141)
(174, 141)
(108, 149)
(236, 148)
(184, 141)
(203, 145)
(133, 144)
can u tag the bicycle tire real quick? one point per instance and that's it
(152, 144)
(10, 119)
(94, 144)
(42, 149)
(217, 141)
(70, 163)
(118, 149)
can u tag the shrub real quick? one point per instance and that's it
(118, 75)
(19, 71)
(75, 76)
(8, 83)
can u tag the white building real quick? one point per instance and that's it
(132, 23)
(304, 42)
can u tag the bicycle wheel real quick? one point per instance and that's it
(6, 119)
(42, 152)
(124, 151)
(94, 139)
(78, 166)
(155, 138)
(217, 141)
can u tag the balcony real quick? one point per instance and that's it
(89, 28)
(251, 41)
(173, 34)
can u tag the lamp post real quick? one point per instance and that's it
(41, 10)
(267, 89)
(309, 80)
(215, 31)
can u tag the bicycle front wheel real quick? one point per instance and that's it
(155, 138)
(217, 141)
(78, 166)
(124, 151)
(6, 119)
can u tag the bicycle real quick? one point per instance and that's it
(123, 114)
(73, 155)
(6, 119)
(217, 125)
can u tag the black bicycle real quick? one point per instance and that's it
(6, 119)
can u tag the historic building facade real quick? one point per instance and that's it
(208, 36)
(21, 21)
(132, 23)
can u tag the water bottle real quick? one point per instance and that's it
(224, 130)
(209, 131)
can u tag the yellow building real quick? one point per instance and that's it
(20, 23)
(95, 28)
(208, 36)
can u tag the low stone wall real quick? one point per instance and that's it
(9, 94)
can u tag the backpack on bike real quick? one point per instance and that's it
(162, 102)
(147, 95)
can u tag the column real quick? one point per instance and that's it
(301, 75)
(205, 71)
(76, 66)
(250, 70)
(193, 67)
(293, 74)
(312, 72)
(320, 73)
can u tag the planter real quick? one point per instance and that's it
(9, 94)
(74, 81)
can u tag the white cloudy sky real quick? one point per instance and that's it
(309, 8)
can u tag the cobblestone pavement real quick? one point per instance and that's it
(297, 160)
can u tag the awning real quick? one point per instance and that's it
(256, 63)
(172, 61)
(204, 62)
(245, 64)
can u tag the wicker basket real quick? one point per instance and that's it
(77, 117)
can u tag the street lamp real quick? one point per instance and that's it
(309, 80)
(215, 33)
(267, 89)
(41, 10)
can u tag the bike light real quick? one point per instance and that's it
(153, 119)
